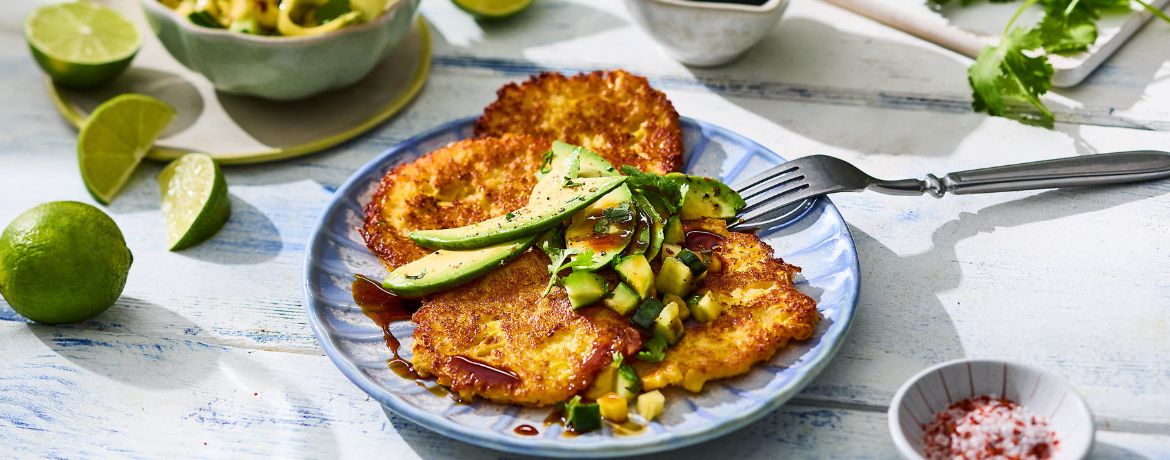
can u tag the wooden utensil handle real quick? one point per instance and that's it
(927, 27)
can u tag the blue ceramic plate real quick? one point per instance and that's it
(819, 242)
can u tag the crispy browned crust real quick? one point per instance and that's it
(502, 320)
(460, 184)
(616, 114)
(763, 312)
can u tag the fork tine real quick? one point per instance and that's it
(774, 187)
(765, 198)
(770, 207)
(758, 181)
(776, 217)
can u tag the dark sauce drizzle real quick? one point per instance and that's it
(384, 307)
(484, 374)
(526, 430)
(701, 240)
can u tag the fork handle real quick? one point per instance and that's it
(1100, 169)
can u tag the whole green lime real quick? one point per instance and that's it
(63, 262)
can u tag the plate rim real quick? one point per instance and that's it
(494, 441)
(76, 118)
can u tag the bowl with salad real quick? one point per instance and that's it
(280, 49)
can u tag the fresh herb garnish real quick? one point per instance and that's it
(558, 263)
(620, 214)
(1008, 79)
(509, 216)
(546, 162)
(419, 276)
(601, 226)
(674, 189)
(654, 350)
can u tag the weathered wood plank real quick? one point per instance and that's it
(819, 53)
(138, 397)
(944, 278)
(1073, 281)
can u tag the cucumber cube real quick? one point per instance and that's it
(623, 299)
(584, 288)
(674, 277)
(635, 271)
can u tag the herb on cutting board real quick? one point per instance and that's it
(1008, 79)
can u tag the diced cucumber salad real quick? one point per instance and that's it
(614, 237)
(278, 17)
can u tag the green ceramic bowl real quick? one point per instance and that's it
(281, 68)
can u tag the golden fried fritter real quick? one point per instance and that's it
(763, 311)
(501, 320)
(616, 114)
(463, 183)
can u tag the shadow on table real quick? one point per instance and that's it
(1104, 450)
(133, 359)
(928, 332)
(789, 431)
(249, 237)
(838, 118)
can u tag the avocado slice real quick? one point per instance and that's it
(591, 164)
(641, 239)
(707, 197)
(444, 269)
(656, 225)
(604, 227)
(551, 209)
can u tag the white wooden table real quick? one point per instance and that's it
(208, 353)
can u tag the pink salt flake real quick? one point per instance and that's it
(988, 428)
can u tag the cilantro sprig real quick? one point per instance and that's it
(1008, 79)
(553, 244)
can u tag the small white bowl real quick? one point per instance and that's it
(1039, 391)
(705, 33)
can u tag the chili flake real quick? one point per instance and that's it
(988, 428)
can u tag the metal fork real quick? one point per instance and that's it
(780, 193)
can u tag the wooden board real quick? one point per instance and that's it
(967, 29)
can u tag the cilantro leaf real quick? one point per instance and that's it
(674, 189)
(552, 243)
(1009, 78)
(1007, 82)
(654, 350)
(1066, 34)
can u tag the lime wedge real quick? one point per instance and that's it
(492, 9)
(195, 199)
(115, 138)
(81, 44)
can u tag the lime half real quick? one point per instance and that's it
(195, 200)
(115, 138)
(81, 44)
(492, 9)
